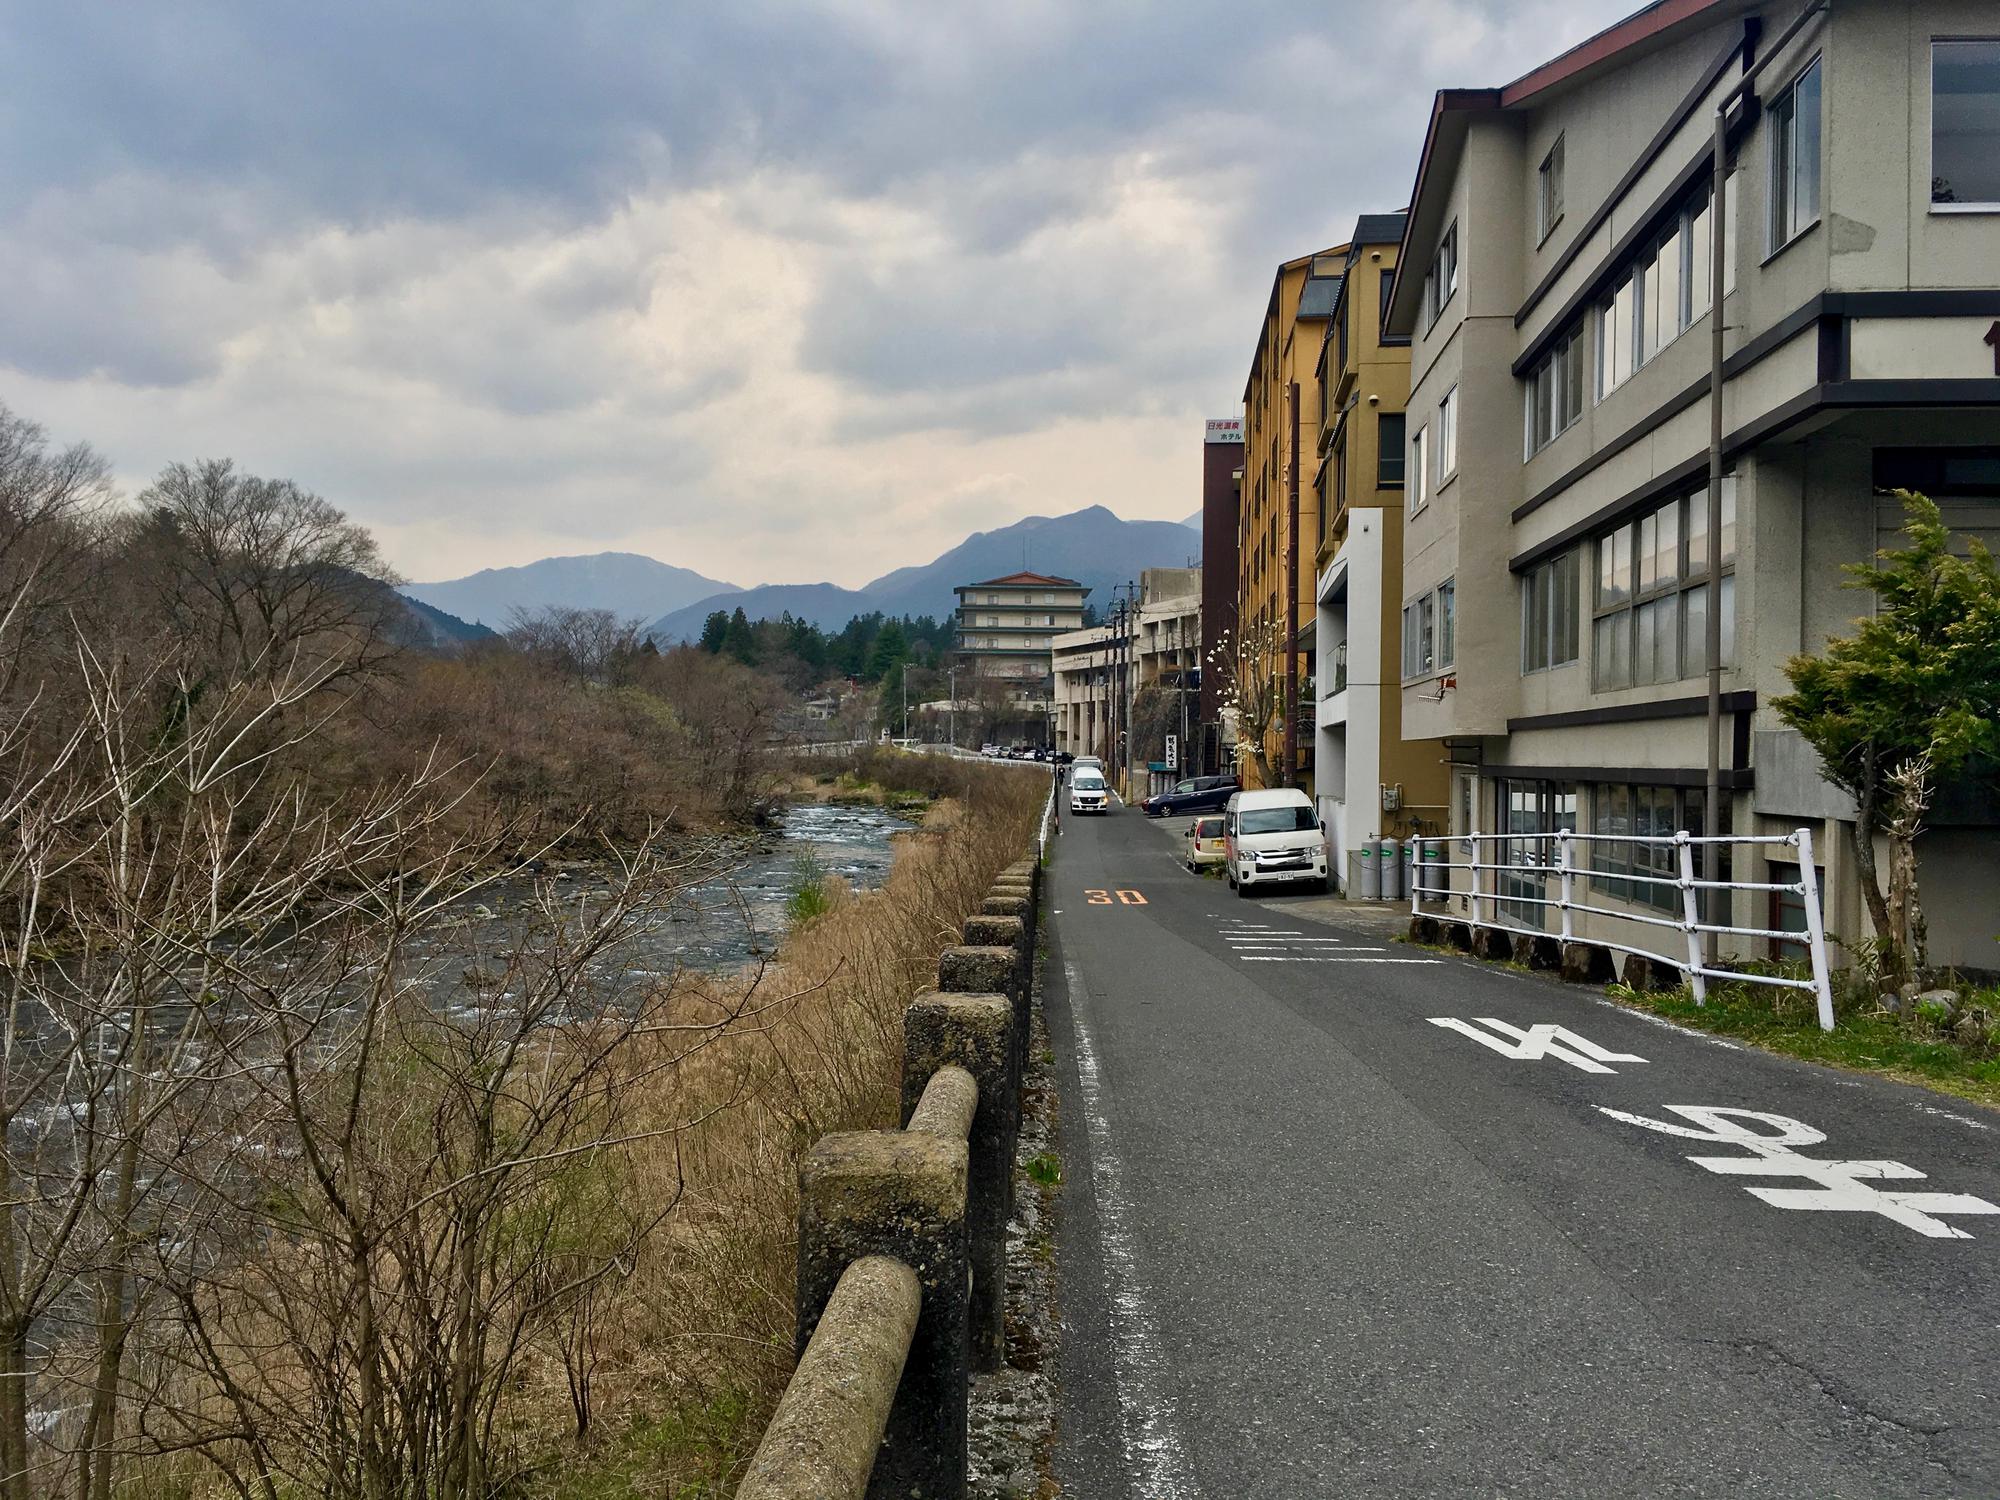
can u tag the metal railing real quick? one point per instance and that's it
(1048, 820)
(1563, 868)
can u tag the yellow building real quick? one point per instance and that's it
(1278, 517)
(1368, 781)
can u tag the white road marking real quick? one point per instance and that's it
(1945, 1114)
(1537, 1042)
(1311, 958)
(1839, 1185)
(1652, 1020)
(1154, 1455)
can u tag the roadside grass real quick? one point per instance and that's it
(692, 1454)
(1864, 1039)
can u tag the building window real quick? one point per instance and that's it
(1664, 290)
(1386, 286)
(1795, 158)
(1650, 619)
(1965, 124)
(1443, 278)
(1644, 873)
(1389, 450)
(1555, 392)
(1419, 636)
(1549, 613)
(1447, 623)
(1417, 481)
(1531, 811)
(1549, 192)
(1447, 436)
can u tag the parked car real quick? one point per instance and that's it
(1273, 836)
(1088, 792)
(1205, 843)
(989, 750)
(1196, 794)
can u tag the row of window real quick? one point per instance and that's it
(1649, 605)
(1620, 866)
(1433, 454)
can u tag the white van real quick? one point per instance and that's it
(1088, 793)
(1272, 836)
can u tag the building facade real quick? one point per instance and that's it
(1277, 516)
(1369, 780)
(1005, 632)
(1221, 488)
(1556, 285)
(1134, 680)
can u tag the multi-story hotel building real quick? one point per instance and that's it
(1370, 780)
(1277, 516)
(1555, 283)
(1005, 630)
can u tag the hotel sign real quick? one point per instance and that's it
(1225, 429)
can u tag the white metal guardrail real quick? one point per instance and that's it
(1562, 867)
(1048, 819)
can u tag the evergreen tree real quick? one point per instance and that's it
(1912, 696)
(739, 640)
(713, 630)
(889, 651)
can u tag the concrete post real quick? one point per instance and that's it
(975, 1032)
(989, 971)
(1004, 932)
(1022, 892)
(899, 1194)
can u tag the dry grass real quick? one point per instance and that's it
(692, 1347)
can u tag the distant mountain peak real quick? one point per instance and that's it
(629, 584)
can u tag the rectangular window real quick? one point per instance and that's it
(1417, 482)
(1651, 611)
(1419, 637)
(1388, 285)
(1645, 873)
(1443, 278)
(1447, 435)
(1389, 450)
(1549, 192)
(1447, 623)
(1555, 392)
(1965, 124)
(1795, 158)
(1549, 613)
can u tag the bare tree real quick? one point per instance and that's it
(589, 645)
(1251, 671)
(260, 573)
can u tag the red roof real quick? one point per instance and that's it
(1022, 580)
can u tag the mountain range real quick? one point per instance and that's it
(1093, 546)
(625, 583)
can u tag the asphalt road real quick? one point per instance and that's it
(1315, 1244)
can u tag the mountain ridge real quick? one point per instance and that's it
(1093, 545)
(629, 584)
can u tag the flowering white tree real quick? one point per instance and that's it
(1251, 671)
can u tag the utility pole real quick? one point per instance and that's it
(1711, 802)
(951, 713)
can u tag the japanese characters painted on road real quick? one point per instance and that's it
(1841, 1186)
(1537, 1042)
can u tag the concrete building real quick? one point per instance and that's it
(1370, 781)
(1278, 518)
(1139, 670)
(1221, 490)
(1555, 281)
(1006, 627)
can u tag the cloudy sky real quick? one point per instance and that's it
(777, 291)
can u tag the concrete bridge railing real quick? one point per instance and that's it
(903, 1239)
